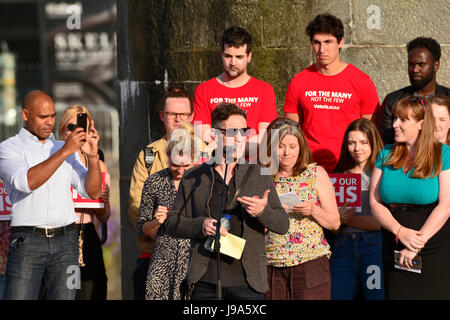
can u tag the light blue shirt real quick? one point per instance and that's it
(51, 204)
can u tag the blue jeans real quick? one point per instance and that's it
(34, 260)
(357, 261)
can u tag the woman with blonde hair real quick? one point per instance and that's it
(297, 262)
(170, 256)
(92, 266)
(410, 197)
(441, 112)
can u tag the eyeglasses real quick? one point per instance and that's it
(233, 132)
(72, 126)
(174, 115)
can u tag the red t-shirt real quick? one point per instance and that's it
(327, 105)
(256, 98)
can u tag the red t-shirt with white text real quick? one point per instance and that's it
(327, 105)
(256, 98)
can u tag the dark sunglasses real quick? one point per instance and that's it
(233, 132)
(72, 126)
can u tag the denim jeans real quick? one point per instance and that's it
(34, 260)
(357, 261)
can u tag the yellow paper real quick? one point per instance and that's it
(231, 245)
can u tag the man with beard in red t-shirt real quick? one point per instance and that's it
(234, 85)
(325, 97)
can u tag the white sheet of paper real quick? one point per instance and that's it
(289, 199)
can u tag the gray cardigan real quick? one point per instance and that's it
(191, 208)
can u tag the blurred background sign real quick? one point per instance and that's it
(67, 49)
(8, 114)
(79, 41)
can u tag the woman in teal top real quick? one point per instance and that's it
(410, 197)
(409, 190)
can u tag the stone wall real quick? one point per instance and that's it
(376, 33)
(177, 41)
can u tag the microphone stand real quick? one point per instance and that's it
(217, 235)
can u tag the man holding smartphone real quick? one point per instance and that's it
(37, 171)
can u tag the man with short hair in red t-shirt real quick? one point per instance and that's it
(235, 85)
(325, 97)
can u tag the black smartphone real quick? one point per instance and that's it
(416, 263)
(82, 121)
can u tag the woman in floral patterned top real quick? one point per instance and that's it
(297, 262)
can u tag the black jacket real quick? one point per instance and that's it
(191, 208)
(387, 132)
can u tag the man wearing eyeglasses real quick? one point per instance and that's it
(235, 85)
(250, 199)
(176, 108)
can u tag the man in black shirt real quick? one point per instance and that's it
(423, 64)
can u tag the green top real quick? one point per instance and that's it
(398, 187)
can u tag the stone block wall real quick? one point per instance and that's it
(376, 33)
